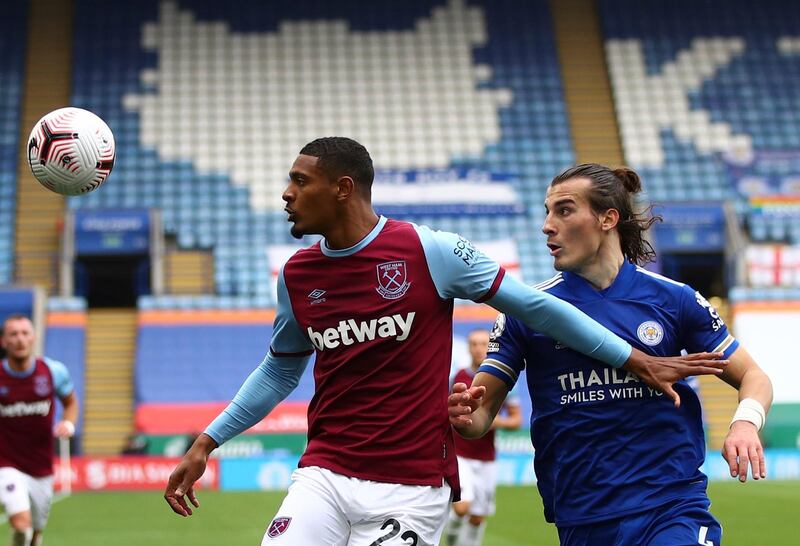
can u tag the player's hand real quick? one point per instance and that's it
(189, 470)
(742, 447)
(663, 372)
(64, 429)
(462, 402)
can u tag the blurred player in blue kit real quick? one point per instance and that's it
(616, 463)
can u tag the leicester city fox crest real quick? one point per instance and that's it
(650, 333)
(393, 281)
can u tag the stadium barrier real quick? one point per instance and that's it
(125, 473)
(244, 445)
(273, 473)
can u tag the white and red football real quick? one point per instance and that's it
(71, 151)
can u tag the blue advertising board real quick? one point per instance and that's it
(108, 232)
(274, 473)
(689, 227)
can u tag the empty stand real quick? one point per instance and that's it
(703, 106)
(12, 56)
(208, 134)
(46, 87)
(587, 90)
(109, 402)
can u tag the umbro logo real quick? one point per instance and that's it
(316, 296)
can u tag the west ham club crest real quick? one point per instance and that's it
(392, 280)
(41, 385)
(278, 527)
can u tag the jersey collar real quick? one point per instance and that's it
(334, 253)
(583, 289)
(24, 373)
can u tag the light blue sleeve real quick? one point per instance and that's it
(560, 320)
(458, 269)
(62, 382)
(272, 380)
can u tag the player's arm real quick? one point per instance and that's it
(742, 446)
(459, 270)
(267, 385)
(65, 390)
(509, 418)
(472, 410)
(66, 427)
(702, 327)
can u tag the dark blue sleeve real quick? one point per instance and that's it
(702, 328)
(505, 358)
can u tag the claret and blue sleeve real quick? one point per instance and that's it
(272, 380)
(460, 270)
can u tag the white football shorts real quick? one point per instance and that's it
(323, 507)
(20, 492)
(478, 484)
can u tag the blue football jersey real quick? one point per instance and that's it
(606, 444)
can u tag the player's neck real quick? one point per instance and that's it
(604, 268)
(19, 365)
(355, 223)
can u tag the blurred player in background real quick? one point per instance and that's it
(476, 458)
(374, 300)
(28, 388)
(615, 462)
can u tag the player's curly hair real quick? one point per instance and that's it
(342, 156)
(615, 189)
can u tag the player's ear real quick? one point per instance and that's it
(609, 219)
(345, 186)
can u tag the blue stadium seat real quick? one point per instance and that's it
(752, 96)
(13, 35)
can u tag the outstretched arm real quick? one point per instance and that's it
(560, 320)
(742, 446)
(473, 410)
(267, 385)
(459, 270)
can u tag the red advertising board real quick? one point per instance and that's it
(126, 473)
(192, 418)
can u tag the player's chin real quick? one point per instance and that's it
(297, 231)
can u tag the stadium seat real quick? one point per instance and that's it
(12, 58)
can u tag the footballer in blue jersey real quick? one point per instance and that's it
(616, 462)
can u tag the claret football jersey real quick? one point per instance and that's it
(27, 407)
(606, 444)
(379, 317)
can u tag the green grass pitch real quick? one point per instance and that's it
(759, 513)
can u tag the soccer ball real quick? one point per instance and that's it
(71, 151)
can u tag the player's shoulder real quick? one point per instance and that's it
(650, 280)
(56, 367)
(554, 285)
(303, 255)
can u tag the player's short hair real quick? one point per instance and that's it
(478, 331)
(13, 316)
(615, 189)
(342, 156)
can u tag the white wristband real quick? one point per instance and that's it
(752, 411)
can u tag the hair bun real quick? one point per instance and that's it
(629, 179)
